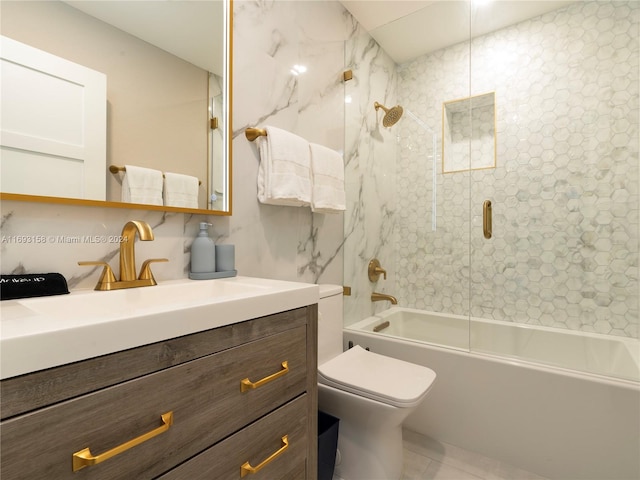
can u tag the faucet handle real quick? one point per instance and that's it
(107, 278)
(145, 271)
(375, 270)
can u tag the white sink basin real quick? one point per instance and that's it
(40, 333)
(135, 301)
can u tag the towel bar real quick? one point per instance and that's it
(115, 169)
(253, 133)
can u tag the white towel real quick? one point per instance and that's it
(327, 177)
(180, 190)
(284, 176)
(142, 185)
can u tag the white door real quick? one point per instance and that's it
(53, 123)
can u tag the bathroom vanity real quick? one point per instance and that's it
(237, 399)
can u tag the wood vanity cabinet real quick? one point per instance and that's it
(173, 410)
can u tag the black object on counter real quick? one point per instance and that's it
(32, 285)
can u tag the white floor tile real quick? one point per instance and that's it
(454, 463)
(442, 471)
(505, 471)
(428, 459)
(414, 465)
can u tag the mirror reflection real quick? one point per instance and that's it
(165, 76)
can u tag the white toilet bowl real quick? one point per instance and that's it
(371, 395)
(370, 439)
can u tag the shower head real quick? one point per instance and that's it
(391, 115)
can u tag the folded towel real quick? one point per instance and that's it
(180, 190)
(327, 177)
(32, 285)
(284, 173)
(142, 185)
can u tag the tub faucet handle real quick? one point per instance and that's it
(375, 270)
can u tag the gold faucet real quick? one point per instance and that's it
(376, 297)
(128, 278)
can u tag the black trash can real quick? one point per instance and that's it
(327, 444)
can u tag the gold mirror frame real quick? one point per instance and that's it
(227, 122)
(466, 106)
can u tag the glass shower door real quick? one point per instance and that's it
(557, 281)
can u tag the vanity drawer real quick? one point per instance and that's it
(261, 445)
(19, 395)
(204, 395)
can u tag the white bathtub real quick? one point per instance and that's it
(522, 395)
(586, 352)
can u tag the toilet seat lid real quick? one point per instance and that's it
(378, 377)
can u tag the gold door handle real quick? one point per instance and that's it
(246, 469)
(486, 219)
(84, 458)
(247, 384)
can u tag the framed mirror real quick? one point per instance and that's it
(168, 73)
(469, 133)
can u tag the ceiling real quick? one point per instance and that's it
(191, 30)
(407, 29)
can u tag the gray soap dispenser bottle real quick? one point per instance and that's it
(203, 251)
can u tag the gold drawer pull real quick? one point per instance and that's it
(246, 469)
(83, 458)
(247, 384)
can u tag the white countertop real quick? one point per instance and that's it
(40, 333)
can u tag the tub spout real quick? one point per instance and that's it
(376, 297)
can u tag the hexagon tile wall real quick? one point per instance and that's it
(565, 191)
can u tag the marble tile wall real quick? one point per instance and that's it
(370, 173)
(277, 242)
(270, 38)
(565, 191)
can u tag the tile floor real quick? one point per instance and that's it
(428, 459)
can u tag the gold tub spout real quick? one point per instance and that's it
(376, 297)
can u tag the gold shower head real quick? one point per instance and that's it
(391, 115)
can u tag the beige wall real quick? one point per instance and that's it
(157, 103)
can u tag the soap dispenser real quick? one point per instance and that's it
(203, 251)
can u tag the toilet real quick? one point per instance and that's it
(370, 393)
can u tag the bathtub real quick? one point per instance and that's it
(564, 405)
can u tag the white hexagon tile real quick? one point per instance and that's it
(565, 190)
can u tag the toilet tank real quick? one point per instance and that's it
(330, 322)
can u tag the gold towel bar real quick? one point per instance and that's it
(253, 133)
(115, 169)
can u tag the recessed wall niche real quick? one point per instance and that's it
(469, 133)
